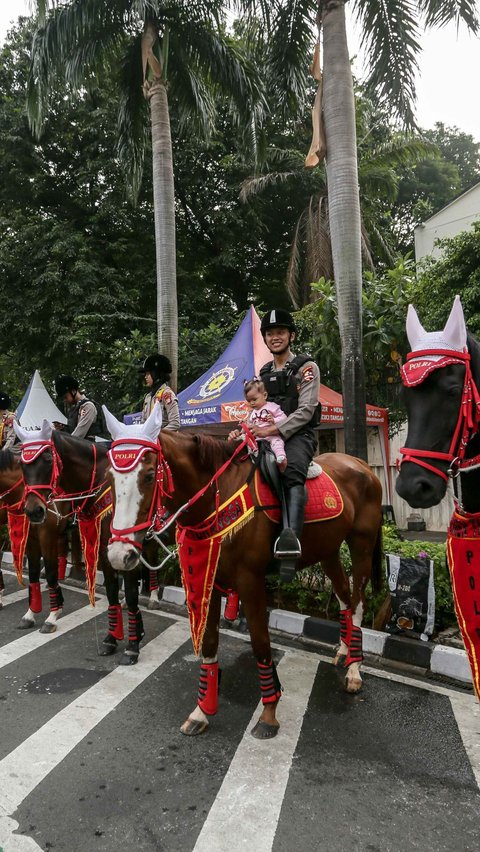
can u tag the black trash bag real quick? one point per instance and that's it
(412, 592)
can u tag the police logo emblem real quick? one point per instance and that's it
(217, 382)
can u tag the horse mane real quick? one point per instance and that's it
(473, 346)
(213, 452)
(7, 459)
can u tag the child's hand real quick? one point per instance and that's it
(234, 434)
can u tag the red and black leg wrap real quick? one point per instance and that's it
(231, 606)
(56, 598)
(346, 625)
(34, 597)
(115, 621)
(208, 688)
(62, 567)
(153, 581)
(355, 649)
(270, 686)
(135, 626)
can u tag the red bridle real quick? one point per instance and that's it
(414, 372)
(31, 451)
(126, 453)
(124, 456)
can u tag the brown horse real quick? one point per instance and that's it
(192, 476)
(67, 475)
(49, 542)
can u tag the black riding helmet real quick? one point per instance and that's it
(277, 319)
(157, 365)
(5, 401)
(64, 384)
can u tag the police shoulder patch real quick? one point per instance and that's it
(308, 374)
(167, 397)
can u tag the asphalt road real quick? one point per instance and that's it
(91, 757)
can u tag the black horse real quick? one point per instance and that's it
(441, 386)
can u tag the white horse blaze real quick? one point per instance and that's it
(127, 505)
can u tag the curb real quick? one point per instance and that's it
(437, 659)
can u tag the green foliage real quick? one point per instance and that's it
(457, 271)
(385, 299)
(311, 592)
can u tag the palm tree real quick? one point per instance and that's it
(391, 31)
(150, 48)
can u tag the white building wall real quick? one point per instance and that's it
(456, 217)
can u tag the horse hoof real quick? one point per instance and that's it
(264, 731)
(193, 727)
(47, 627)
(128, 659)
(25, 624)
(107, 650)
(353, 685)
(153, 604)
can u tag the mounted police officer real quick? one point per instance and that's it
(293, 382)
(7, 435)
(81, 412)
(157, 370)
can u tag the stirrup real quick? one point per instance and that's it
(287, 545)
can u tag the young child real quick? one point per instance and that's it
(263, 414)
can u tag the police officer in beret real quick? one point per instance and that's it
(293, 382)
(157, 370)
(83, 420)
(7, 435)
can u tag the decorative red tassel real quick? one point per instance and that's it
(231, 607)
(62, 567)
(208, 688)
(34, 597)
(115, 621)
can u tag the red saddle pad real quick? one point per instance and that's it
(324, 499)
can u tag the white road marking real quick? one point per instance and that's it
(467, 717)
(13, 597)
(34, 639)
(28, 765)
(232, 822)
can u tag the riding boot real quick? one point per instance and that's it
(287, 547)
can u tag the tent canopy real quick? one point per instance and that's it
(37, 405)
(217, 396)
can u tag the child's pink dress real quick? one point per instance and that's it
(259, 417)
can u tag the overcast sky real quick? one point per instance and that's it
(447, 86)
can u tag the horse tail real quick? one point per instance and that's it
(377, 561)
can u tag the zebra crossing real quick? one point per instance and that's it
(91, 757)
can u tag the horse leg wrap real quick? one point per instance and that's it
(34, 597)
(62, 567)
(56, 598)
(346, 625)
(231, 606)
(153, 581)
(355, 650)
(135, 626)
(270, 686)
(208, 688)
(115, 621)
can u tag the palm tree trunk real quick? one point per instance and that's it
(344, 217)
(164, 211)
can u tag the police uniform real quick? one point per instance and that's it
(82, 419)
(296, 389)
(7, 435)
(169, 402)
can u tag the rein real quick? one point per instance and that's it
(9, 491)
(31, 451)
(468, 416)
(124, 461)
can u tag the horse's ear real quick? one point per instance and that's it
(153, 424)
(415, 329)
(455, 331)
(113, 425)
(46, 430)
(27, 435)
